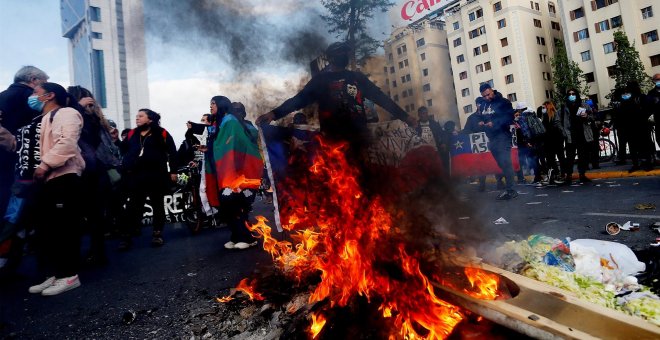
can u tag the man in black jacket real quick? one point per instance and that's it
(653, 98)
(498, 117)
(15, 114)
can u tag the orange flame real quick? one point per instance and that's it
(484, 284)
(242, 181)
(318, 321)
(224, 299)
(248, 288)
(345, 236)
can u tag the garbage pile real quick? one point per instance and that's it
(600, 272)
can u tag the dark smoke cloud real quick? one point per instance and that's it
(239, 33)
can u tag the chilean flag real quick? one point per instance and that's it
(470, 156)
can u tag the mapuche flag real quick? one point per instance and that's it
(470, 156)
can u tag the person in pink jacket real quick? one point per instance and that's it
(59, 172)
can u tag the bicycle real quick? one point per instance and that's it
(606, 148)
(189, 179)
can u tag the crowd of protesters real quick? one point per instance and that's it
(549, 138)
(65, 168)
(65, 171)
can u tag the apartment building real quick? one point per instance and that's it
(507, 43)
(588, 30)
(107, 54)
(418, 69)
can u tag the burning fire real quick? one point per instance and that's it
(484, 284)
(351, 240)
(245, 287)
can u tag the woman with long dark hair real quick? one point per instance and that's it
(60, 169)
(147, 168)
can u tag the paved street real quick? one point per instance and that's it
(167, 286)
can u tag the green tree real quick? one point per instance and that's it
(348, 20)
(628, 66)
(566, 74)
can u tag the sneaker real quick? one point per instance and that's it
(230, 245)
(244, 245)
(507, 195)
(40, 287)
(62, 285)
(513, 193)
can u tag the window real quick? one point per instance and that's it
(398, 51)
(602, 26)
(501, 23)
(422, 56)
(98, 70)
(543, 58)
(420, 42)
(506, 60)
(462, 75)
(537, 23)
(396, 97)
(460, 58)
(551, 8)
(457, 42)
(425, 72)
(616, 22)
(94, 13)
(477, 32)
(97, 35)
(650, 37)
(611, 70)
(546, 76)
(426, 87)
(487, 65)
(586, 55)
(555, 25)
(608, 48)
(512, 97)
(429, 102)
(504, 42)
(476, 14)
(404, 94)
(508, 79)
(456, 25)
(405, 62)
(403, 79)
(589, 77)
(540, 41)
(581, 35)
(479, 68)
(409, 92)
(407, 108)
(548, 94)
(401, 49)
(484, 48)
(497, 6)
(477, 50)
(400, 65)
(393, 83)
(655, 60)
(391, 69)
(467, 108)
(408, 77)
(647, 12)
(598, 4)
(536, 6)
(465, 92)
(577, 13)
(390, 57)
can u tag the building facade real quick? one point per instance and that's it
(417, 69)
(507, 43)
(107, 54)
(588, 30)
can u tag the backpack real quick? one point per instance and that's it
(531, 125)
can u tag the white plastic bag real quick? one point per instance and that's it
(619, 255)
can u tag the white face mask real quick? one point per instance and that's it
(544, 110)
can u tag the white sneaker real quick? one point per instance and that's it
(230, 245)
(40, 287)
(244, 245)
(62, 285)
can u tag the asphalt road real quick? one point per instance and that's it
(167, 286)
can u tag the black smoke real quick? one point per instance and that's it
(238, 33)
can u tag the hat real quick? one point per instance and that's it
(521, 106)
(485, 86)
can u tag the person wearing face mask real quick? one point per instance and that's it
(577, 118)
(633, 123)
(553, 142)
(58, 228)
(653, 100)
(147, 167)
(15, 114)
